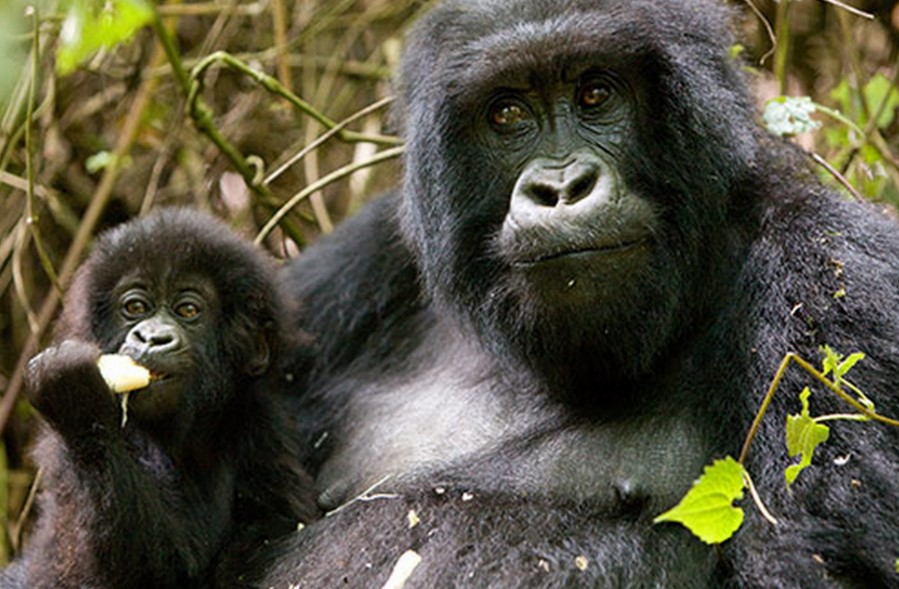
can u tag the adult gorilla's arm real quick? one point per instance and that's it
(359, 295)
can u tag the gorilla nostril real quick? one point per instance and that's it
(544, 194)
(161, 339)
(581, 186)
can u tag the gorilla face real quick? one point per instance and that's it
(573, 237)
(541, 193)
(170, 329)
(574, 251)
(197, 312)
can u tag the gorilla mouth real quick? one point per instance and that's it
(579, 252)
(156, 376)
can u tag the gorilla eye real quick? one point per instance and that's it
(188, 310)
(135, 307)
(593, 94)
(507, 114)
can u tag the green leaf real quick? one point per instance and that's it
(834, 362)
(707, 509)
(847, 364)
(831, 360)
(98, 161)
(91, 25)
(878, 90)
(789, 115)
(804, 434)
(13, 23)
(840, 94)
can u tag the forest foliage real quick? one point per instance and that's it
(274, 114)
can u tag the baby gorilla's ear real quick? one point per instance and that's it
(259, 357)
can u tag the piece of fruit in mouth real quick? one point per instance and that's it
(122, 373)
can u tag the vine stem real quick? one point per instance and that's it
(757, 499)
(817, 375)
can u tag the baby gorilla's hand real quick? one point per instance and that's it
(65, 385)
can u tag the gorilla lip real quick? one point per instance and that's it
(582, 251)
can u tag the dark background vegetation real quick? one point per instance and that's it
(82, 152)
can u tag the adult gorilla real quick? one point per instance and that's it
(595, 265)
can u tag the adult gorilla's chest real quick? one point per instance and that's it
(457, 419)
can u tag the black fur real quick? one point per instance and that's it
(151, 504)
(537, 422)
(526, 428)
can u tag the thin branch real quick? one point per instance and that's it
(781, 370)
(321, 183)
(757, 499)
(365, 496)
(31, 217)
(771, 36)
(86, 228)
(836, 174)
(326, 136)
(273, 86)
(848, 8)
(279, 23)
(757, 422)
(842, 394)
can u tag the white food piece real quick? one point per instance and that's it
(122, 374)
(402, 570)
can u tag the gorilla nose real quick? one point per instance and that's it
(154, 337)
(551, 185)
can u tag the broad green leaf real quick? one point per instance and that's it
(875, 91)
(13, 22)
(871, 157)
(841, 95)
(788, 115)
(836, 137)
(707, 509)
(804, 434)
(91, 25)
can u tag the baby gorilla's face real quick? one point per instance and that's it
(166, 326)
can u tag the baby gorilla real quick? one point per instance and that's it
(202, 456)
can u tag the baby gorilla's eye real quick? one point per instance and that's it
(135, 307)
(188, 310)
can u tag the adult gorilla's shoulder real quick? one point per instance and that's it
(577, 298)
(326, 283)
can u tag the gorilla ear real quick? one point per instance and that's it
(259, 356)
